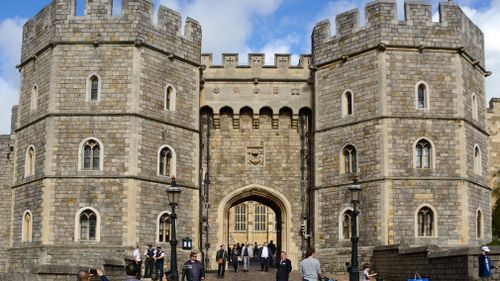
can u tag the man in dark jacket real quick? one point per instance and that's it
(485, 265)
(221, 257)
(284, 267)
(272, 255)
(193, 269)
(149, 254)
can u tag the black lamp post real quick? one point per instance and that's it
(173, 192)
(355, 190)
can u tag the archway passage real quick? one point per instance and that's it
(254, 220)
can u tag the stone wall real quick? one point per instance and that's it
(493, 119)
(383, 73)
(458, 264)
(128, 119)
(6, 171)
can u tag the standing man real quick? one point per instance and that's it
(272, 250)
(159, 258)
(284, 267)
(310, 269)
(245, 256)
(137, 260)
(485, 264)
(221, 257)
(149, 264)
(264, 258)
(193, 269)
(255, 250)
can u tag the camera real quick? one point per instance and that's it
(93, 271)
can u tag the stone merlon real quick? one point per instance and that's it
(453, 31)
(58, 23)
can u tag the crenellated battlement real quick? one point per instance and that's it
(255, 60)
(58, 23)
(453, 31)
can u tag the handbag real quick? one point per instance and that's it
(418, 278)
(220, 261)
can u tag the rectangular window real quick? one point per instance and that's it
(260, 218)
(240, 218)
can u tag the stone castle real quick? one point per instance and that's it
(111, 107)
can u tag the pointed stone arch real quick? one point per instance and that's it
(269, 197)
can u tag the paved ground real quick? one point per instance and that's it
(254, 274)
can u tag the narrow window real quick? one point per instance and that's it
(34, 98)
(117, 7)
(260, 218)
(165, 168)
(164, 228)
(88, 224)
(347, 224)
(421, 96)
(479, 224)
(169, 98)
(423, 154)
(91, 155)
(27, 227)
(425, 222)
(349, 103)
(240, 218)
(350, 159)
(474, 107)
(29, 169)
(477, 161)
(94, 88)
(80, 7)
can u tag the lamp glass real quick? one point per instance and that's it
(174, 194)
(355, 191)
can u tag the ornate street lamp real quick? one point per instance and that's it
(355, 190)
(173, 194)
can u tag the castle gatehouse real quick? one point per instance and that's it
(112, 107)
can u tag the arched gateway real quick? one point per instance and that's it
(266, 196)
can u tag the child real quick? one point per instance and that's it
(366, 272)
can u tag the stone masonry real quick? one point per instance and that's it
(493, 119)
(271, 134)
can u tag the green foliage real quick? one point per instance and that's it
(496, 220)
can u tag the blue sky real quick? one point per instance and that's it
(242, 26)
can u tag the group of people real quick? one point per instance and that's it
(243, 253)
(154, 261)
(193, 270)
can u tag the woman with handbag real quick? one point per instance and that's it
(234, 258)
(221, 257)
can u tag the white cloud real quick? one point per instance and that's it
(9, 96)
(227, 24)
(279, 46)
(10, 52)
(488, 21)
